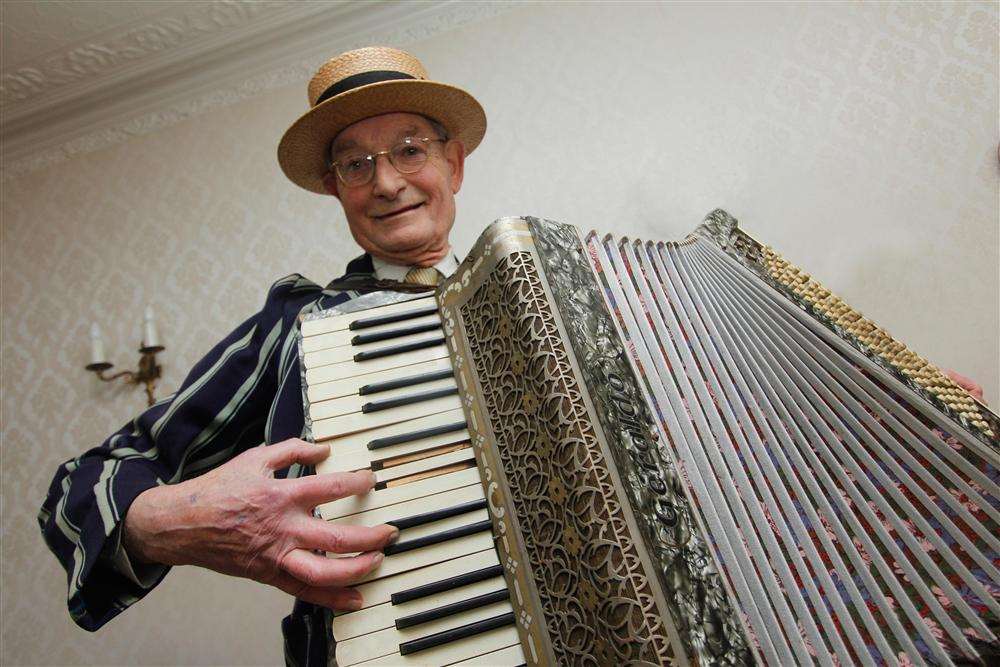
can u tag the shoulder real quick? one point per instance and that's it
(295, 294)
(293, 288)
(290, 296)
(359, 267)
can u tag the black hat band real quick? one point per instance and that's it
(358, 80)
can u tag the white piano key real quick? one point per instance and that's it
(358, 421)
(368, 459)
(505, 657)
(359, 441)
(397, 494)
(347, 369)
(340, 322)
(344, 336)
(349, 386)
(435, 553)
(386, 642)
(380, 591)
(423, 465)
(444, 524)
(384, 615)
(433, 503)
(349, 404)
(432, 527)
(449, 654)
(337, 355)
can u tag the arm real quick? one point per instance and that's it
(219, 412)
(239, 520)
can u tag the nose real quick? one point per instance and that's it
(387, 181)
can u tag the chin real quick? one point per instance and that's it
(409, 237)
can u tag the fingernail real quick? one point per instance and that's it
(393, 536)
(379, 557)
(356, 601)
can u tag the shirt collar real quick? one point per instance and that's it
(387, 271)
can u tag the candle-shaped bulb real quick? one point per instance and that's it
(149, 334)
(96, 345)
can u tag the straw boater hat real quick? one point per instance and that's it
(369, 82)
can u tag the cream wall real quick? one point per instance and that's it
(860, 140)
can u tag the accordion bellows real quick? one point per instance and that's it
(694, 453)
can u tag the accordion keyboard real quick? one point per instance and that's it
(380, 390)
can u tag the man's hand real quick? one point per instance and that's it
(965, 383)
(239, 520)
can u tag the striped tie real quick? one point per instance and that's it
(423, 275)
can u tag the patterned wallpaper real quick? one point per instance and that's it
(860, 140)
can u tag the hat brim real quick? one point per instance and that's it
(303, 150)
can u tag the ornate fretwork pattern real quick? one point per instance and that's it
(596, 600)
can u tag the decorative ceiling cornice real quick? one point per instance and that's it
(178, 64)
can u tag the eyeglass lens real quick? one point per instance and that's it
(407, 157)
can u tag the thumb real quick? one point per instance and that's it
(291, 451)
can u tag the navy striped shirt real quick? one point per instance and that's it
(244, 392)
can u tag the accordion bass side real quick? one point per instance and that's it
(692, 453)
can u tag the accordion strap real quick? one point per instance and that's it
(366, 285)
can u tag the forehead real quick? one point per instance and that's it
(377, 130)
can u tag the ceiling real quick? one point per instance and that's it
(77, 75)
(33, 31)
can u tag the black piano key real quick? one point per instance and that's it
(400, 401)
(444, 585)
(398, 349)
(388, 441)
(450, 609)
(362, 339)
(437, 538)
(368, 322)
(399, 383)
(437, 515)
(461, 632)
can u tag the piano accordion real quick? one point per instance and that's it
(606, 452)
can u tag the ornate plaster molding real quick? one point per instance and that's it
(177, 66)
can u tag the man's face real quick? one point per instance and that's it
(401, 218)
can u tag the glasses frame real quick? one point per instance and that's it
(333, 166)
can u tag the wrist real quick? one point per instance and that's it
(146, 524)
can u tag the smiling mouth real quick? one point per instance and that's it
(400, 211)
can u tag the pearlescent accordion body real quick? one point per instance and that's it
(688, 453)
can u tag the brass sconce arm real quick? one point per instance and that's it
(148, 373)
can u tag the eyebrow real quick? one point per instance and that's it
(410, 131)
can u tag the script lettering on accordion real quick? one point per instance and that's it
(642, 453)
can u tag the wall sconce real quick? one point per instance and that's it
(148, 372)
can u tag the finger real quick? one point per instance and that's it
(315, 490)
(343, 539)
(293, 450)
(337, 599)
(319, 571)
(965, 383)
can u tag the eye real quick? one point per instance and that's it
(409, 154)
(352, 164)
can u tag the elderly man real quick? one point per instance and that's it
(185, 483)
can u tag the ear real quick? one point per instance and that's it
(330, 184)
(454, 153)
